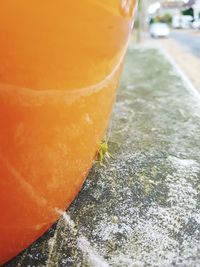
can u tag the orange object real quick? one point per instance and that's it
(60, 63)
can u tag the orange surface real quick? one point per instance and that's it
(60, 63)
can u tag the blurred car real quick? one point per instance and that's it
(157, 30)
(176, 22)
(182, 21)
(196, 24)
(186, 21)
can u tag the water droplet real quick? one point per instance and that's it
(127, 7)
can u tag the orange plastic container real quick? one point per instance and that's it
(60, 63)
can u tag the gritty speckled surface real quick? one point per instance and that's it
(143, 207)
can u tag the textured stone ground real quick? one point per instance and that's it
(143, 207)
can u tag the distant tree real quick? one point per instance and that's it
(188, 12)
(167, 18)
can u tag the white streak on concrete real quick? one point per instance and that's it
(94, 258)
(83, 244)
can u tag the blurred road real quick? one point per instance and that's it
(184, 47)
(189, 41)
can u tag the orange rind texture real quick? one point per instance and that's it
(60, 66)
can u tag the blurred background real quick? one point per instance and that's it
(174, 25)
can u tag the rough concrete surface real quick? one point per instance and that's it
(143, 207)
